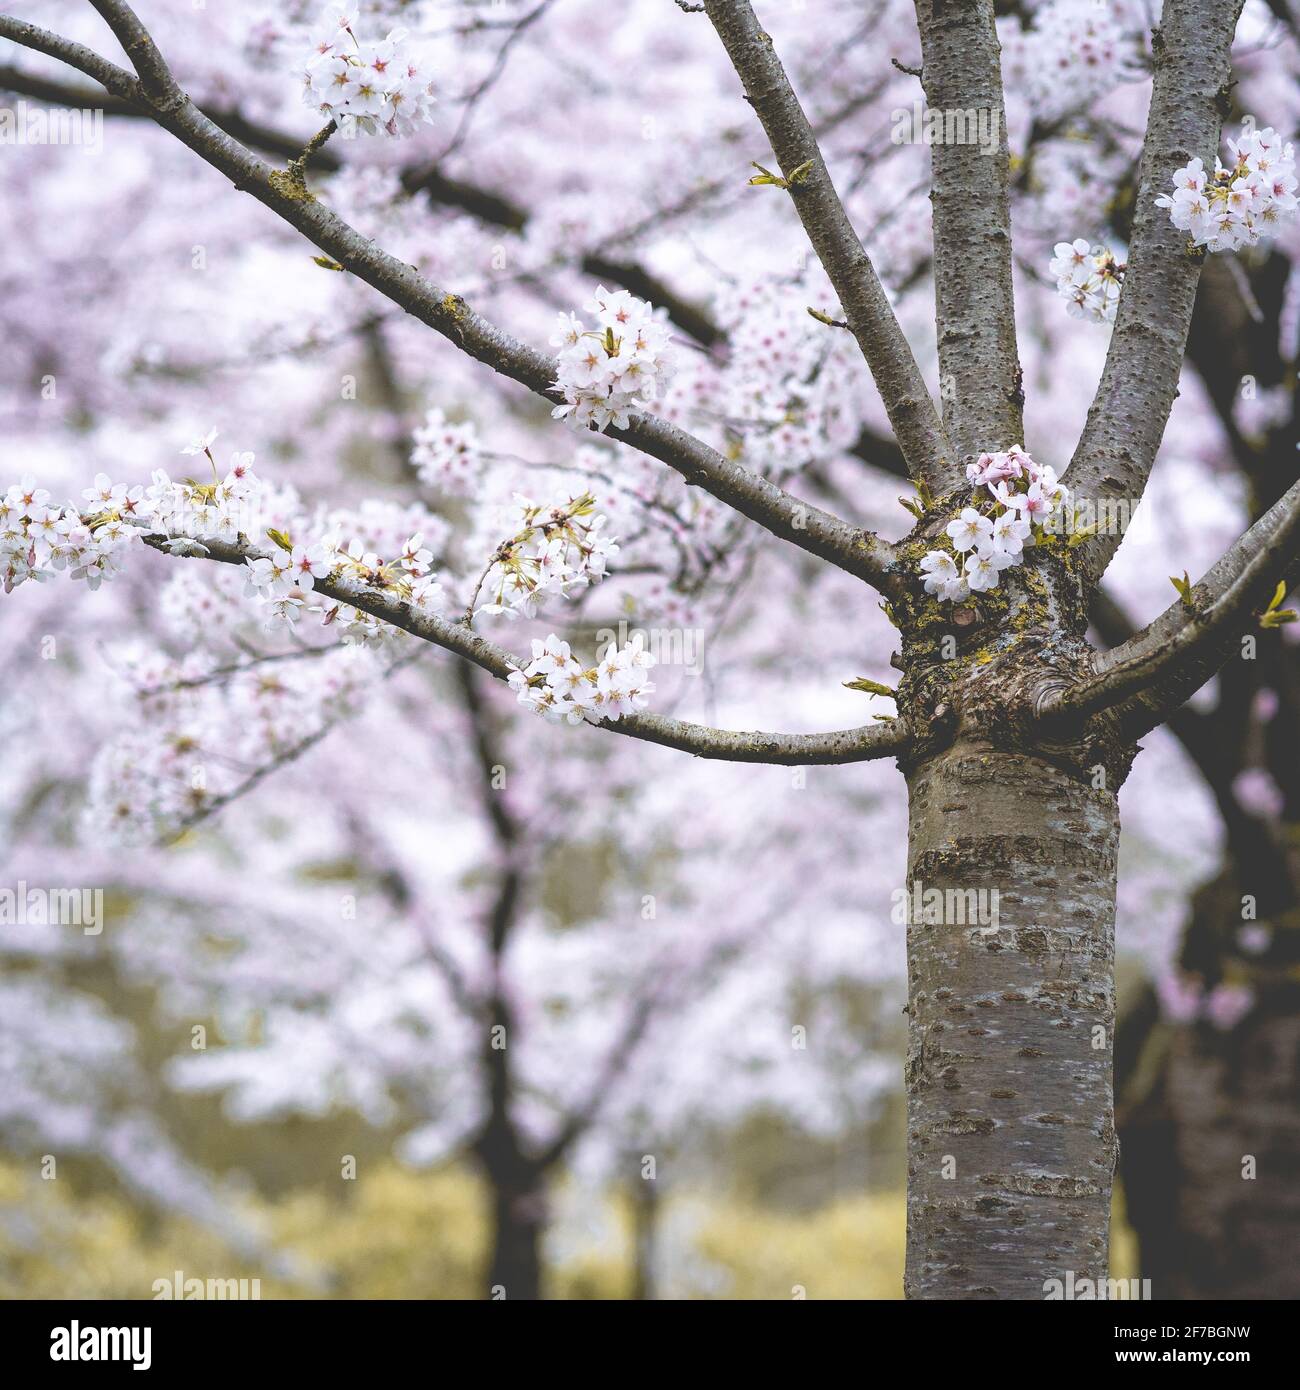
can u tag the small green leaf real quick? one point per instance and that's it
(1275, 615)
(921, 503)
(326, 264)
(1184, 587)
(279, 538)
(826, 318)
(870, 687)
(765, 176)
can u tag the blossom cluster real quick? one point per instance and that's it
(224, 508)
(90, 540)
(794, 393)
(37, 539)
(1021, 499)
(1240, 202)
(619, 367)
(1089, 278)
(284, 580)
(447, 456)
(1074, 53)
(200, 727)
(370, 86)
(555, 683)
(556, 552)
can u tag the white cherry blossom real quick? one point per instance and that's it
(618, 368)
(1241, 202)
(969, 530)
(366, 84)
(1024, 495)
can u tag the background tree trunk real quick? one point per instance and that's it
(1224, 1096)
(519, 1213)
(1009, 1049)
(1199, 1098)
(645, 1224)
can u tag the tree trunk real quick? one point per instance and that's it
(645, 1221)
(1208, 1118)
(1231, 1099)
(1010, 1119)
(519, 1212)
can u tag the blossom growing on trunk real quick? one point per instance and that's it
(970, 530)
(1010, 532)
(1018, 495)
(940, 571)
(983, 568)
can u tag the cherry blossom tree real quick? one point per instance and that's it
(1013, 732)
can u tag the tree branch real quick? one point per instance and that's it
(154, 74)
(620, 1055)
(975, 314)
(858, 552)
(255, 778)
(884, 740)
(114, 79)
(1156, 670)
(1217, 743)
(880, 452)
(1127, 418)
(495, 806)
(862, 297)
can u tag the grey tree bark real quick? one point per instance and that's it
(979, 368)
(1010, 1138)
